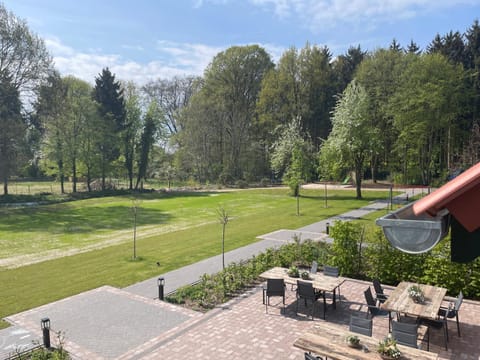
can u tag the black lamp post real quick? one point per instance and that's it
(327, 228)
(161, 286)
(45, 325)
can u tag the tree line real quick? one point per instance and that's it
(405, 114)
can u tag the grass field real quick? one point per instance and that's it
(174, 228)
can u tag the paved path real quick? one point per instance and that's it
(120, 310)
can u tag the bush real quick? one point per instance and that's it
(241, 184)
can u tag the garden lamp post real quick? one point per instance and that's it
(161, 286)
(45, 325)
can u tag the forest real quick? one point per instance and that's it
(402, 114)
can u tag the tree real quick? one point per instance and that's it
(50, 109)
(23, 54)
(171, 96)
(346, 65)
(413, 48)
(293, 156)
(223, 218)
(352, 136)
(225, 113)
(379, 74)
(424, 109)
(301, 86)
(12, 127)
(131, 132)
(150, 126)
(79, 108)
(109, 96)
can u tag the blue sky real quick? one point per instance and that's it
(142, 40)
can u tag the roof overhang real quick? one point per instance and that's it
(418, 227)
(460, 196)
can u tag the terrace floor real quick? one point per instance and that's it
(242, 330)
(109, 323)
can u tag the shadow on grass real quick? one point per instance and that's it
(62, 218)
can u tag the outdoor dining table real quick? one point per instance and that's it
(320, 282)
(329, 340)
(400, 302)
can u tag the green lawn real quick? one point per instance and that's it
(174, 228)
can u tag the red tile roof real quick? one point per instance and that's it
(461, 196)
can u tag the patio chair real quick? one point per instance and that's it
(372, 304)
(309, 356)
(452, 311)
(275, 287)
(437, 324)
(405, 333)
(361, 325)
(306, 291)
(332, 271)
(380, 295)
(314, 268)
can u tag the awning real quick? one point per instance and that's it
(461, 196)
(456, 203)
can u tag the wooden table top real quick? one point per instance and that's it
(399, 301)
(319, 280)
(328, 340)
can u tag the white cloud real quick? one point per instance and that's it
(173, 59)
(326, 14)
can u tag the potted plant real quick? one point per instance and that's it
(387, 348)
(305, 275)
(353, 341)
(293, 272)
(416, 294)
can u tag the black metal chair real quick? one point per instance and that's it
(379, 293)
(452, 311)
(306, 291)
(361, 325)
(372, 304)
(309, 356)
(275, 287)
(405, 333)
(332, 271)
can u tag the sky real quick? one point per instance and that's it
(143, 40)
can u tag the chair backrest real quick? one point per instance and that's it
(453, 307)
(377, 286)
(305, 290)
(405, 333)
(311, 357)
(458, 301)
(361, 325)
(275, 287)
(330, 270)
(314, 267)
(372, 304)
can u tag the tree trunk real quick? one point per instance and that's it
(358, 178)
(5, 186)
(74, 175)
(62, 177)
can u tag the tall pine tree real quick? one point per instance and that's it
(109, 95)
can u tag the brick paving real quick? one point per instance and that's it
(242, 330)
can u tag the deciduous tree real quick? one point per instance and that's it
(11, 125)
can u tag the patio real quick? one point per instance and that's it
(242, 330)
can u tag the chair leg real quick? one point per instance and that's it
(445, 334)
(458, 326)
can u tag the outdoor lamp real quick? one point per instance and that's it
(45, 325)
(161, 285)
(327, 228)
